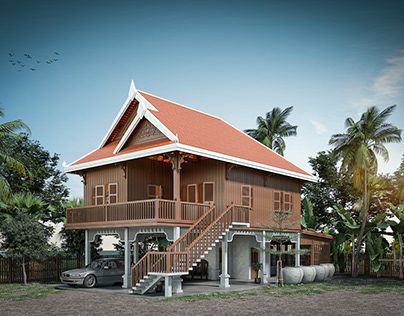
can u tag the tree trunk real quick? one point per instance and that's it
(363, 224)
(353, 260)
(24, 273)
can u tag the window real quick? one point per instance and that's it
(282, 201)
(192, 193)
(277, 200)
(247, 195)
(208, 192)
(154, 191)
(112, 193)
(99, 195)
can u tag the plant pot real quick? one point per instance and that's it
(327, 270)
(292, 275)
(320, 273)
(331, 269)
(309, 274)
(257, 280)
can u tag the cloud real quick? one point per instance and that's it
(319, 127)
(390, 81)
(387, 85)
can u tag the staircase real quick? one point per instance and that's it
(189, 249)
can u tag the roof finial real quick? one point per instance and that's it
(132, 89)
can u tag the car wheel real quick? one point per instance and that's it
(90, 281)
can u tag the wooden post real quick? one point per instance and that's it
(156, 208)
(176, 161)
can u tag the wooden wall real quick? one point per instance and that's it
(145, 171)
(263, 185)
(320, 248)
(103, 176)
(206, 170)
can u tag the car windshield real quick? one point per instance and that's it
(96, 265)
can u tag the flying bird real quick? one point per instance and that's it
(56, 53)
(32, 69)
(11, 54)
(28, 56)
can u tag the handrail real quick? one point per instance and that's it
(185, 234)
(151, 209)
(211, 224)
(159, 262)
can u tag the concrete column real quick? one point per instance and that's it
(263, 260)
(87, 248)
(135, 251)
(177, 233)
(297, 256)
(126, 277)
(177, 284)
(168, 288)
(224, 277)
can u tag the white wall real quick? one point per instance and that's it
(240, 257)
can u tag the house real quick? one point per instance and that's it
(164, 169)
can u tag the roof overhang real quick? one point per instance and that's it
(190, 150)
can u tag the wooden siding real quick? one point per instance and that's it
(143, 172)
(263, 186)
(103, 176)
(204, 170)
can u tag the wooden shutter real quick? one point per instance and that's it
(112, 193)
(99, 195)
(246, 195)
(208, 192)
(277, 200)
(192, 193)
(287, 201)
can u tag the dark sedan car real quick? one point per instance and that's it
(107, 271)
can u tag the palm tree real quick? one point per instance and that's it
(358, 147)
(10, 130)
(272, 129)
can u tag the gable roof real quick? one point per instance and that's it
(190, 131)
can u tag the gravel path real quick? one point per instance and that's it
(332, 303)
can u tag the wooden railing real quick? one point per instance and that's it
(135, 211)
(222, 222)
(159, 262)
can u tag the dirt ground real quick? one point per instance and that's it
(332, 303)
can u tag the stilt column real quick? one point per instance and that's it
(224, 277)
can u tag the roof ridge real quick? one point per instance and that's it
(180, 104)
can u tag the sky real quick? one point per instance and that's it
(328, 59)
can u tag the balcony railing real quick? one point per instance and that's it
(136, 211)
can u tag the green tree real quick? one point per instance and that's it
(23, 236)
(358, 147)
(73, 241)
(46, 181)
(331, 187)
(9, 134)
(273, 128)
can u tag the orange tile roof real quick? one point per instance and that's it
(207, 132)
(201, 131)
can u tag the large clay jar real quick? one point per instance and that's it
(320, 273)
(327, 270)
(292, 275)
(309, 274)
(331, 269)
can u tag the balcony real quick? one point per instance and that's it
(135, 213)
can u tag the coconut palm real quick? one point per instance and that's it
(273, 128)
(358, 147)
(10, 130)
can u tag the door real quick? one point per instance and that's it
(254, 260)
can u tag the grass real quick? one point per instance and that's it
(17, 292)
(364, 286)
